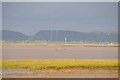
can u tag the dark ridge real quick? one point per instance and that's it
(13, 36)
(59, 35)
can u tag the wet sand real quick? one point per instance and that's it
(15, 52)
(84, 73)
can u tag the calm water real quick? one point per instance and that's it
(11, 52)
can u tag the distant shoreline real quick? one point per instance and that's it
(82, 44)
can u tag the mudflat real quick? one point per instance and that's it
(15, 52)
(63, 73)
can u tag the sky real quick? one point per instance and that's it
(60, 0)
(31, 17)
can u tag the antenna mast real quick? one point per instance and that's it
(65, 40)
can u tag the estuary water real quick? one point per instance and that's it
(18, 52)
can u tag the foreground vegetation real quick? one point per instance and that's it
(58, 64)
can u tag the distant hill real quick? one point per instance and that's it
(75, 36)
(13, 36)
(59, 35)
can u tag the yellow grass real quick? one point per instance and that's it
(57, 64)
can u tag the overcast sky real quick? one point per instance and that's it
(29, 18)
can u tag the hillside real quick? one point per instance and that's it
(48, 35)
(75, 36)
(13, 36)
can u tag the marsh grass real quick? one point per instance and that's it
(57, 64)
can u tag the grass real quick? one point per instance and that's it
(57, 64)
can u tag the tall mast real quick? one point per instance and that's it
(65, 40)
(51, 33)
(56, 33)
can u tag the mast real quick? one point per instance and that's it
(51, 34)
(65, 40)
(56, 36)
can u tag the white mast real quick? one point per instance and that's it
(65, 40)
(56, 33)
(51, 34)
